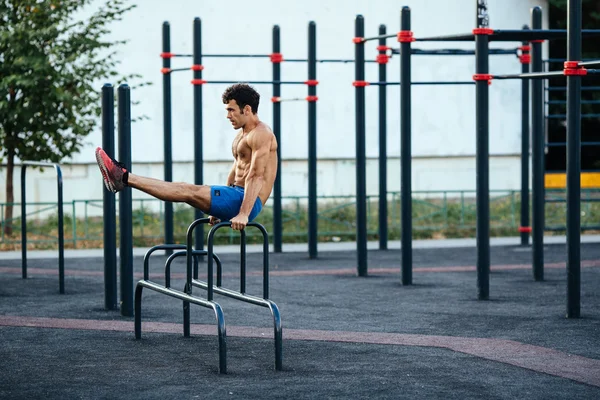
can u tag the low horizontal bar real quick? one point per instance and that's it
(390, 35)
(454, 52)
(257, 301)
(236, 55)
(324, 61)
(256, 82)
(562, 60)
(507, 35)
(564, 116)
(593, 71)
(179, 69)
(461, 37)
(552, 144)
(564, 228)
(531, 75)
(564, 88)
(554, 102)
(421, 83)
(176, 294)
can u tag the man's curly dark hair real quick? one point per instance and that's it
(244, 95)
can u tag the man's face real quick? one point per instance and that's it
(235, 115)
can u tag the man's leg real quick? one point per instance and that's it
(197, 196)
(116, 177)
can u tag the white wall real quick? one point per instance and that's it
(443, 116)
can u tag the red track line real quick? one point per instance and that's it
(535, 358)
(311, 272)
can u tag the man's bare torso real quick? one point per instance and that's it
(242, 153)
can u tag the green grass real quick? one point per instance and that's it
(440, 217)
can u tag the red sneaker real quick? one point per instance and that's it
(113, 172)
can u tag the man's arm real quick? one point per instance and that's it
(261, 147)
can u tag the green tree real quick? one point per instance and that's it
(51, 66)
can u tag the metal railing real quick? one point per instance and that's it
(449, 213)
(61, 231)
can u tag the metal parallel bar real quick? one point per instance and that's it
(167, 131)
(383, 214)
(482, 157)
(525, 151)
(190, 272)
(195, 253)
(277, 205)
(531, 75)
(406, 150)
(537, 153)
(125, 205)
(187, 299)
(361, 180)
(155, 248)
(312, 144)
(593, 71)
(198, 128)
(274, 310)
(574, 164)
(243, 261)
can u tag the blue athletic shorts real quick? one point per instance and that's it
(225, 202)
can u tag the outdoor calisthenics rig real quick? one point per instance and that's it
(276, 58)
(573, 70)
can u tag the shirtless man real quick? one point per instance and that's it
(249, 183)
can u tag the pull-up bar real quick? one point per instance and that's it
(498, 35)
(455, 52)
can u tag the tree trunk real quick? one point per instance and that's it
(10, 196)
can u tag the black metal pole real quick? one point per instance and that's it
(198, 156)
(109, 207)
(525, 60)
(574, 164)
(383, 214)
(312, 142)
(125, 205)
(277, 209)
(168, 152)
(61, 232)
(23, 223)
(482, 156)
(406, 153)
(361, 179)
(537, 152)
